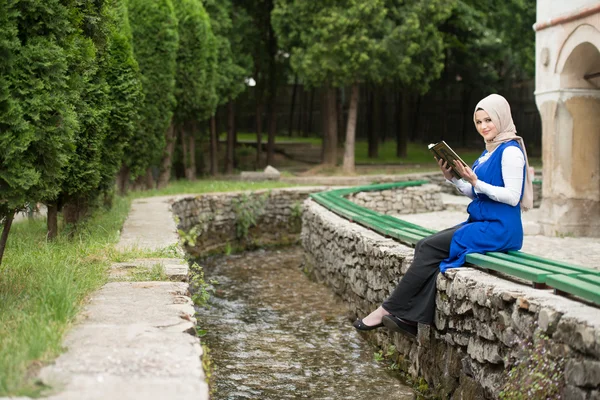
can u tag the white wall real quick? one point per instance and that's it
(548, 9)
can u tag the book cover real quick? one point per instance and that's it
(441, 150)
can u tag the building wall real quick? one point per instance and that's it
(568, 50)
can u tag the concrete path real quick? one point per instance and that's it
(135, 340)
(149, 225)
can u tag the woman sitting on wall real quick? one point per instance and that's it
(499, 185)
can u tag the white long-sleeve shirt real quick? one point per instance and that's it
(512, 174)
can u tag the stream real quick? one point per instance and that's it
(275, 334)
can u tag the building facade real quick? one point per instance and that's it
(568, 98)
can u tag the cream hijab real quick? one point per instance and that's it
(499, 111)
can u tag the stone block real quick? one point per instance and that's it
(584, 373)
(574, 393)
(578, 335)
(484, 351)
(548, 320)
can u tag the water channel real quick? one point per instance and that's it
(274, 334)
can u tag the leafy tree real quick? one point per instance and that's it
(271, 68)
(37, 142)
(17, 173)
(125, 98)
(234, 65)
(344, 43)
(489, 42)
(195, 81)
(415, 51)
(80, 187)
(155, 44)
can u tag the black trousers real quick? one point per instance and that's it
(414, 297)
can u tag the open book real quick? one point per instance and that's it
(443, 151)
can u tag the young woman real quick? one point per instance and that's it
(499, 183)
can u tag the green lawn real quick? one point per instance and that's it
(208, 186)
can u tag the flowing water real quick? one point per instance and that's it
(274, 334)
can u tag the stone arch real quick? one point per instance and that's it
(586, 35)
(583, 108)
(571, 129)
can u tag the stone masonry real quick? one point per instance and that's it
(401, 200)
(482, 322)
(210, 222)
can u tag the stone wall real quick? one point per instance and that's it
(448, 188)
(209, 223)
(483, 323)
(401, 200)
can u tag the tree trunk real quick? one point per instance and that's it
(301, 111)
(291, 121)
(403, 125)
(230, 138)
(272, 132)
(376, 110)
(214, 150)
(52, 220)
(272, 102)
(167, 160)
(339, 112)
(74, 210)
(123, 180)
(414, 121)
(348, 167)
(332, 128)
(149, 179)
(184, 148)
(311, 103)
(259, 131)
(324, 125)
(382, 116)
(371, 126)
(190, 170)
(8, 220)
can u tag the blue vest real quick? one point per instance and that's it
(492, 226)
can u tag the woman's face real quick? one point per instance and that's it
(485, 126)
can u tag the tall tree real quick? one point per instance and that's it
(340, 44)
(17, 173)
(195, 82)
(234, 61)
(90, 100)
(37, 120)
(155, 44)
(125, 99)
(414, 44)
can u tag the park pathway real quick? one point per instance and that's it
(131, 341)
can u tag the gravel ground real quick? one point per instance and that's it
(583, 250)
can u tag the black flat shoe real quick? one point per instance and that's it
(398, 325)
(359, 325)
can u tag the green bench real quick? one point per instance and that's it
(565, 278)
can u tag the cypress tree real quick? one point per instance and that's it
(125, 97)
(39, 85)
(155, 43)
(16, 173)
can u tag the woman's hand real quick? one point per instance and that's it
(446, 169)
(466, 172)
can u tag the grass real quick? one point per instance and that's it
(208, 186)
(251, 136)
(44, 284)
